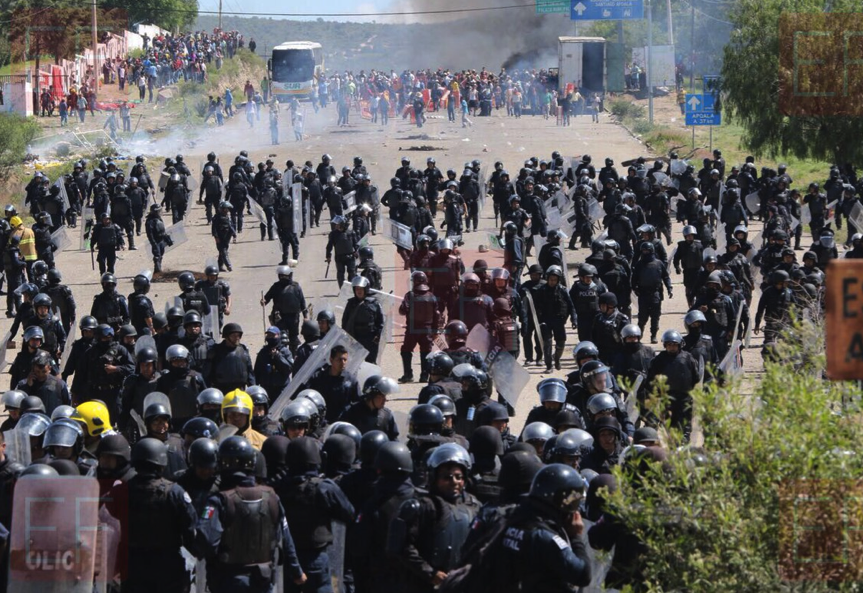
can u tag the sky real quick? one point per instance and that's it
(279, 6)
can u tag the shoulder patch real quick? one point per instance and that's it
(208, 513)
(561, 543)
(186, 497)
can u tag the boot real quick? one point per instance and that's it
(558, 353)
(132, 242)
(547, 349)
(157, 265)
(408, 375)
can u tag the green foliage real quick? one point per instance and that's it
(168, 14)
(624, 108)
(751, 80)
(16, 133)
(724, 522)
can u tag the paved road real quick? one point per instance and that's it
(494, 138)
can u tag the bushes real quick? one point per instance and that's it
(16, 133)
(625, 109)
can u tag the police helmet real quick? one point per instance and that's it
(425, 419)
(236, 454)
(552, 390)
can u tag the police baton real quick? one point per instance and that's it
(263, 312)
(93, 260)
(327, 273)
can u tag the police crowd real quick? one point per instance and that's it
(197, 443)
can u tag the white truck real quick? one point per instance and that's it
(583, 62)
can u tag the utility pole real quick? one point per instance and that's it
(670, 23)
(692, 52)
(649, 61)
(95, 53)
(220, 15)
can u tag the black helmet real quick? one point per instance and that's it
(236, 454)
(379, 385)
(150, 454)
(211, 270)
(347, 429)
(114, 444)
(146, 355)
(456, 330)
(394, 457)
(31, 403)
(370, 444)
(191, 318)
(328, 316)
(231, 328)
(558, 485)
(303, 452)
(425, 419)
(109, 279)
(340, 450)
(444, 403)
(439, 363)
(186, 280)
(366, 253)
(141, 284)
(204, 453)
(39, 470)
(42, 300)
(310, 331)
(200, 427)
(88, 322)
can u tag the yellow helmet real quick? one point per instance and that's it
(94, 415)
(237, 401)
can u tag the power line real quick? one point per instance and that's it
(709, 16)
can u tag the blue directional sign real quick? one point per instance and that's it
(700, 111)
(606, 10)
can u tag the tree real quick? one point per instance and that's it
(772, 500)
(755, 74)
(173, 15)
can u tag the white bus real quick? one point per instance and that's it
(294, 67)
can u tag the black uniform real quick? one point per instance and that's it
(345, 244)
(289, 303)
(158, 237)
(648, 276)
(111, 308)
(681, 371)
(223, 230)
(108, 239)
(363, 319)
(231, 368)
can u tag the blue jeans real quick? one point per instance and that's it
(316, 565)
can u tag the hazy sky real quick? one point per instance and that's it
(279, 6)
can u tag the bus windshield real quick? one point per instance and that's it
(293, 65)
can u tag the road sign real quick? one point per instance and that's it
(700, 111)
(552, 6)
(844, 333)
(606, 10)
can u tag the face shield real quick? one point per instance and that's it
(600, 381)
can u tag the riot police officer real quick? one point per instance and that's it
(217, 290)
(345, 244)
(160, 518)
(371, 412)
(288, 303)
(108, 237)
(212, 187)
(554, 305)
(648, 276)
(223, 231)
(243, 526)
(109, 306)
(422, 312)
(363, 318)
(369, 269)
(682, 374)
(230, 364)
(157, 235)
(181, 384)
(285, 224)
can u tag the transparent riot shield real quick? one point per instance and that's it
(390, 304)
(191, 183)
(70, 340)
(64, 195)
(61, 238)
(534, 316)
(753, 202)
(53, 540)
(297, 206)
(553, 218)
(107, 547)
(144, 342)
(3, 348)
(350, 201)
(856, 216)
(356, 356)
(211, 322)
(674, 202)
(663, 180)
(632, 399)
(226, 431)
(495, 242)
(18, 446)
(538, 242)
(257, 210)
(594, 210)
(157, 397)
(397, 233)
(88, 221)
(720, 238)
(177, 232)
(678, 166)
(732, 364)
(805, 214)
(307, 203)
(564, 204)
(600, 563)
(509, 376)
(336, 553)
(365, 371)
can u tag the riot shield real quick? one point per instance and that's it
(495, 242)
(70, 341)
(365, 371)
(144, 342)
(308, 209)
(600, 564)
(856, 216)
(191, 183)
(594, 210)
(18, 446)
(632, 399)
(678, 166)
(157, 397)
(720, 238)
(397, 233)
(61, 239)
(64, 195)
(3, 348)
(211, 322)
(336, 553)
(439, 343)
(297, 206)
(662, 179)
(732, 364)
(538, 242)
(673, 203)
(794, 223)
(177, 232)
(107, 547)
(350, 202)
(753, 203)
(831, 211)
(553, 218)
(509, 376)
(226, 431)
(163, 180)
(356, 356)
(390, 304)
(257, 210)
(88, 221)
(53, 541)
(805, 214)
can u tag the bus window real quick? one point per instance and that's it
(293, 66)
